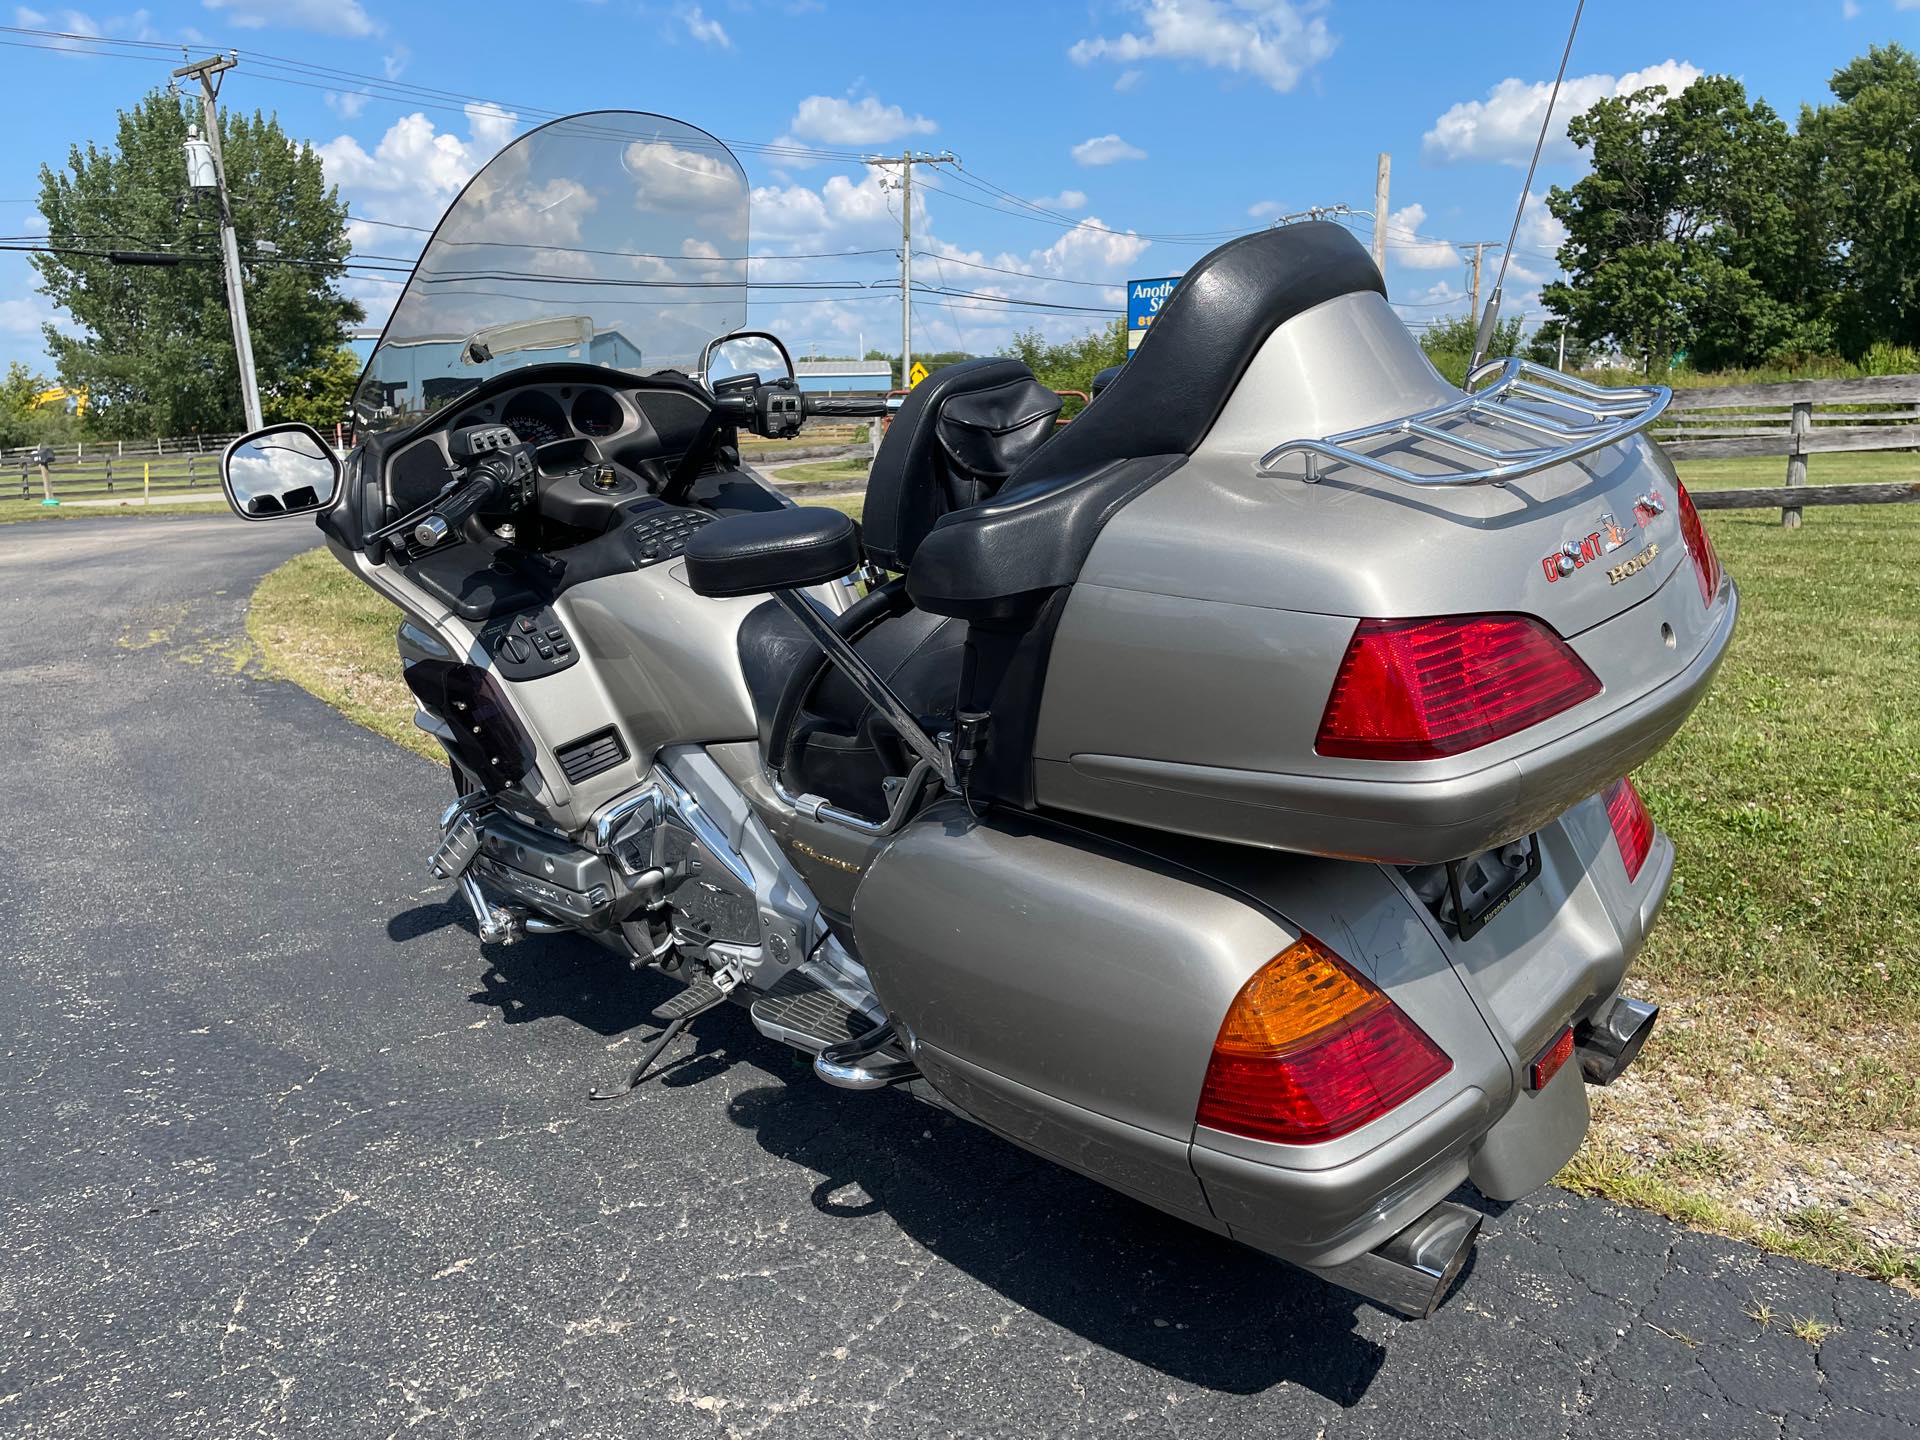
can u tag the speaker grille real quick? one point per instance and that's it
(590, 754)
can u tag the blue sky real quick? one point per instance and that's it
(1154, 119)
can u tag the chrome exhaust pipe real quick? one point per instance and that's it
(1411, 1273)
(1610, 1042)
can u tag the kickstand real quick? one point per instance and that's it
(639, 1071)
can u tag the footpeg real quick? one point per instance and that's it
(703, 994)
(698, 998)
(459, 843)
(806, 1015)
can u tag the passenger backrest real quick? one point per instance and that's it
(952, 444)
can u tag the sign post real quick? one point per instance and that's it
(1144, 299)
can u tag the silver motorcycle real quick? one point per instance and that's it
(1223, 794)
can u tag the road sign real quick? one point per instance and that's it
(916, 375)
(1144, 299)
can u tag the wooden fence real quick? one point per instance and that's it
(1794, 420)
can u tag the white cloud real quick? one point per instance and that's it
(1505, 125)
(23, 317)
(1407, 246)
(79, 24)
(490, 125)
(1275, 41)
(1849, 9)
(1106, 150)
(347, 104)
(395, 62)
(703, 27)
(1065, 200)
(328, 17)
(865, 121)
(1263, 209)
(1128, 81)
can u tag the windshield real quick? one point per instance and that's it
(614, 238)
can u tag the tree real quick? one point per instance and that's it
(1449, 344)
(1070, 364)
(316, 397)
(154, 348)
(1683, 235)
(18, 387)
(1543, 348)
(1864, 158)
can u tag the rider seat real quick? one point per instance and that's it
(952, 445)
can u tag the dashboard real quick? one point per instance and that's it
(638, 427)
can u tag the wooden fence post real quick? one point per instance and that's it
(1801, 423)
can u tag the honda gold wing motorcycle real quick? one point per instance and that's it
(1223, 794)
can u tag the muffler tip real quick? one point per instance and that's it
(1411, 1273)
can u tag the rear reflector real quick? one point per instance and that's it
(1420, 689)
(1550, 1061)
(1632, 825)
(1310, 1050)
(1706, 564)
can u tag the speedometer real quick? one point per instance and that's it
(536, 417)
(532, 429)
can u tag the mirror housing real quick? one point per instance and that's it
(280, 471)
(772, 550)
(745, 353)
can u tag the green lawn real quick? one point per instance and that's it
(16, 511)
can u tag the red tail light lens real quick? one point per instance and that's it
(1420, 689)
(1706, 564)
(1632, 825)
(1311, 1050)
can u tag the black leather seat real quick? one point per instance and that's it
(952, 445)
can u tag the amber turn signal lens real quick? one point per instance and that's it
(1310, 1049)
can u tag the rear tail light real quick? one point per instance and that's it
(1632, 825)
(1311, 1050)
(1420, 689)
(1706, 564)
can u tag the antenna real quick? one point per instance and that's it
(1492, 315)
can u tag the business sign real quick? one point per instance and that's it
(1144, 299)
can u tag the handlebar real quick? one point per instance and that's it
(848, 407)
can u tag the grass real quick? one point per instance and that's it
(851, 472)
(1779, 1101)
(13, 512)
(318, 626)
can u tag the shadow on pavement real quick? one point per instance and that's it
(1111, 1270)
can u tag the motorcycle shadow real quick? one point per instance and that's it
(545, 977)
(1117, 1273)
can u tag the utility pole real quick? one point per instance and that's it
(205, 72)
(907, 160)
(1380, 177)
(1478, 247)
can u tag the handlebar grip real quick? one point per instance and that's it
(851, 407)
(482, 487)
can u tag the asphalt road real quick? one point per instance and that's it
(282, 1151)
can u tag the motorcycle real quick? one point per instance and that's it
(1224, 794)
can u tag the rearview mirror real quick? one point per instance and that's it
(279, 471)
(746, 353)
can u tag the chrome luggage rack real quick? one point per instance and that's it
(1562, 418)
